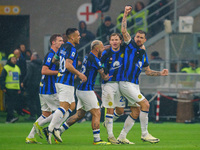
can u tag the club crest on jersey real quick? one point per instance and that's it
(122, 55)
(49, 60)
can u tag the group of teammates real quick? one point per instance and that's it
(123, 64)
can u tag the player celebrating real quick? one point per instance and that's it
(87, 100)
(65, 80)
(135, 58)
(48, 95)
(112, 59)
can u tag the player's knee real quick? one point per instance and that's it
(72, 106)
(119, 111)
(135, 112)
(95, 113)
(144, 105)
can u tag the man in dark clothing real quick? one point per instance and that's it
(10, 85)
(31, 84)
(104, 30)
(86, 36)
(21, 62)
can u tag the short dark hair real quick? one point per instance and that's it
(69, 31)
(141, 32)
(155, 53)
(116, 34)
(53, 37)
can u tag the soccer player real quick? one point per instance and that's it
(65, 81)
(112, 59)
(87, 100)
(48, 95)
(135, 58)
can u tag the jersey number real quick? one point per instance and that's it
(62, 64)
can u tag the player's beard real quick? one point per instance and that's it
(139, 45)
(99, 54)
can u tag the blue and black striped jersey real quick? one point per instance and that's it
(113, 63)
(134, 59)
(91, 65)
(47, 84)
(66, 51)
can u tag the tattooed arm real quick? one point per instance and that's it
(124, 31)
(150, 72)
(104, 76)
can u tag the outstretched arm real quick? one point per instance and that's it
(124, 31)
(150, 72)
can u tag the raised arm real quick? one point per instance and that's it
(150, 72)
(124, 31)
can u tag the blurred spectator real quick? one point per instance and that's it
(22, 48)
(86, 36)
(140, 17)
(31, 85)
(10, 85)
(156, 62)
(130, 22)
(28, 54)
(21, 62)
(192, 68)
(2, 56)
(155, 56)
(104, 30)
(157, 12)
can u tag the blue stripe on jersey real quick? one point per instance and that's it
(134, 59)
(47, 84)
(66, 51)
(113, 63)
(90, 67)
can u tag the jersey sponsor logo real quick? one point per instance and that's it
(49, 60)
(116, 65)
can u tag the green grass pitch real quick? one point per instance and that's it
(173, 136)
